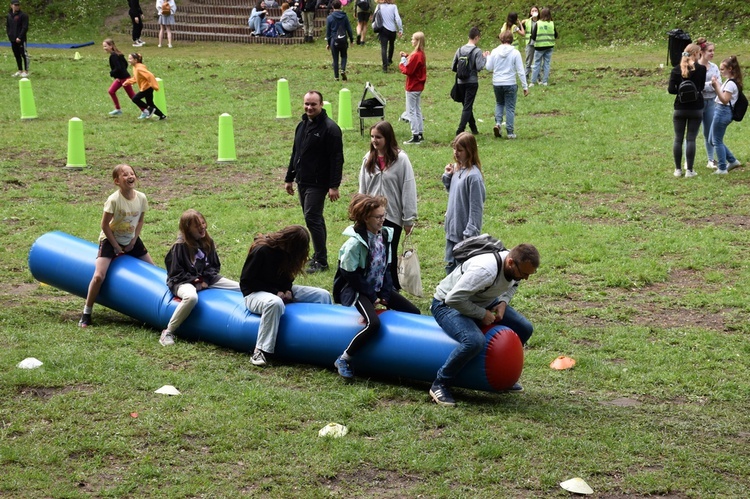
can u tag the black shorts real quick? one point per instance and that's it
(363, 17)
(107, 251)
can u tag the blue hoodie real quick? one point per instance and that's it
(332, 26)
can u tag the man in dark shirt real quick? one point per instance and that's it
(17, 26)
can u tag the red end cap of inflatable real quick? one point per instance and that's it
(504, 359)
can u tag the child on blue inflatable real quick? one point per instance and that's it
(363, 278)
(192, 265)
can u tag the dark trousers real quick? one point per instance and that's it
(22, 57)
(690, 120)
(394, 252)
(372, 321)
(137, 27)
(467, 115)
(148, 96)
(387, 40)
(336, 53)
(313, 200)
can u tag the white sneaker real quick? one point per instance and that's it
(690, 174)
(511, 136)
(24, 74)
(258, 359)
(166, 338)
(677, 172)
(711, 164)
(734, 165)
(170, 45)
(141, 42)
(720, 172)
(16, 74)
(136, 44)
(159, 45)
(115, 112)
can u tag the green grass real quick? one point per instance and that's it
(643, 281)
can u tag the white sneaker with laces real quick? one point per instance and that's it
(677, 172)
(258, 359)
(690, 174)
(24, 74)
(711, 164)
(167, 338)
(737, 163)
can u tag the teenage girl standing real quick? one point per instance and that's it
(414, 66)
(726, 97)
(687, 115)
(513, 25)
(192, 265)
(709, 95)
(118, 69)
(147, 86)
(464, 182)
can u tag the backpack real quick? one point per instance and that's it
(740, 107)
(166, 10)
(479, 245)
(270, 29)
(340, 40)
(688, 92)
(463, 65)
(377, 21)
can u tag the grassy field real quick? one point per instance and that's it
(643, 281)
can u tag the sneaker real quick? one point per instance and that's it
(544, 83)
(258, 359)
(441, 395)
(497, 131)
(421, 137)
(516, 388)
(343, 367)
(160, 43)
(511, 136)
(531, 85)
(690, 174)
(720, 172)
(413, 140)
(170, 45)
(115, 112)
(16, 74)
(315, 267)
(166, 338)
(734, 165)
(163, 117)
(712, 164)
(677, 172)
(141, 42)
(343, 76)
(136, 44)
(85, 320)
(24, 74)
(144, 115)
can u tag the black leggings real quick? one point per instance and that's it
(690, 120)
(372, 321)
(22, 57)
(148, 95)
(137, 28)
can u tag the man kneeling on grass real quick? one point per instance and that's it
(477, 293)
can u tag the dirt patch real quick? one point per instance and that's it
(372, 483)
(46, 393)
(622, 402)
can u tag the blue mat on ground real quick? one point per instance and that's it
(51, 45)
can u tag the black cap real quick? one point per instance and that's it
(15, 2)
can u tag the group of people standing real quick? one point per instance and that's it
(704, 94)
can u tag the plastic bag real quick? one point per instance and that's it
(409, 274)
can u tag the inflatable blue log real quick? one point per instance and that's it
(409, 346)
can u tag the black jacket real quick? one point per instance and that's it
(180, 270)
(118, 66)
(697, 76)
(261, 272)
(134, 8)
(318, 154)
(17, 26)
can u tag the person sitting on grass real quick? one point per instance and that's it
(267, 283)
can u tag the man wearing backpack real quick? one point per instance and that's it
(469, 60)
(475, 295)
(338, 35)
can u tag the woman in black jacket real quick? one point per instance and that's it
(686, 81)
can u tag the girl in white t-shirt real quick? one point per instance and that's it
(121, 225)
(726, 97)
(709, 95)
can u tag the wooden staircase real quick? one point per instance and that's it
(222, 21)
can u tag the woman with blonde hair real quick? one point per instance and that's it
(414, 66)
(686, 81)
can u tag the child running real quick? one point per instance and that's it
(118, 69)
(121, 225)
(414, 66)
(147, 86)
(272, 263)
(466, 194)
(363, 278)
(192, 265)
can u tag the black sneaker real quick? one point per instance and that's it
(516, 388)
(163, 117)
(85, 320)
(441, 395)
(315, 267)
(415, 139)
(343, 75)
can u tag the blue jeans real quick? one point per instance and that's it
(257, 24)
(336, 53)
(708, 119)
(722, 119)
(505, 102)
(541, 57)
(469, 336)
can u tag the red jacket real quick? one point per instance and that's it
(415, 70)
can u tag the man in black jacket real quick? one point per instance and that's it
(17, 26)
(316, 166)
